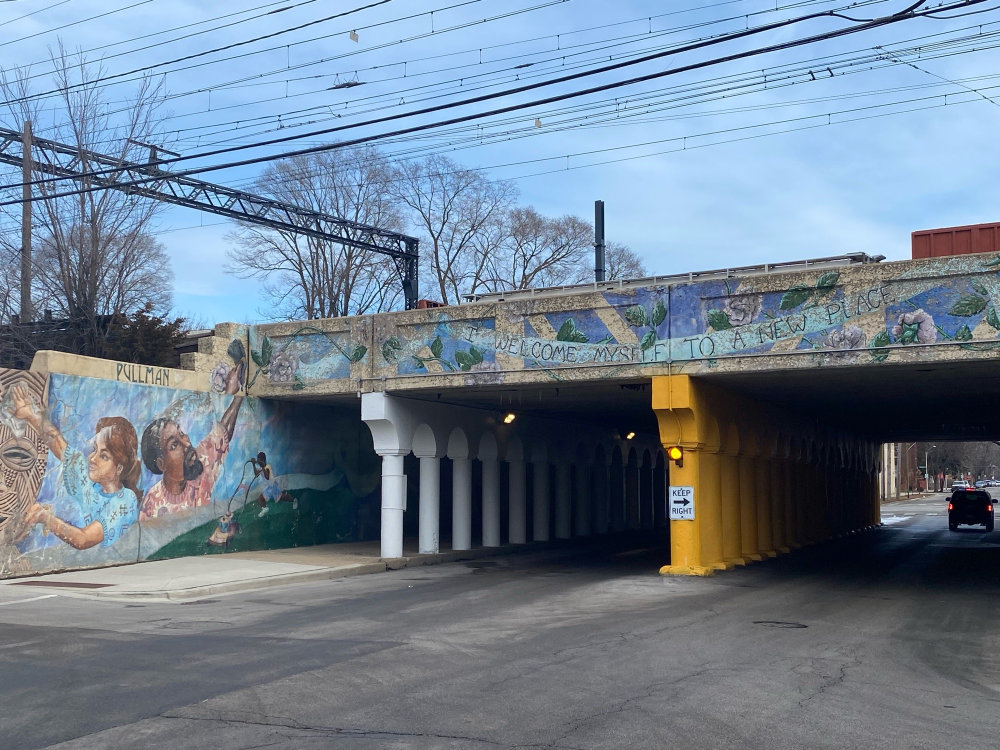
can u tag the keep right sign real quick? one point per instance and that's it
(681, 503)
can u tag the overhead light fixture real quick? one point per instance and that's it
(509, 417)
(629, 435)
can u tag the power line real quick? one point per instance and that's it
(905, 14)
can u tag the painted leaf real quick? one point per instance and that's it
(992, 319)
(437, 346)
(963, 334)
(258, 358)
(794, 297)
(463, 360)
(719, 320)
(391, 348)
(476, 355)
(994, 262)
(909, 334)
(636, 316)
(968, 306)
(828, 281)
(648, 340)
(299, 384)
(569, 332)
(881, 339)
(978, 288)
(659, 312)
(235, 351)
(358, 354)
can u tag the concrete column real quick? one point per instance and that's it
(748, 510)
(762, 477)
(633, 509)
(778, 530)
(601, 498)
(491, 502)
(461, 504)
(582, 499)
(729, 467)
(430, 505)
(564, 513)
(393, 505)
(516, 512)
(540, 504)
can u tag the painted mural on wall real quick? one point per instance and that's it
(98, 472)
(847, 315)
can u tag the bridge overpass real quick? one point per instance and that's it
(779, 382)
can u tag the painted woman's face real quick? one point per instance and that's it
(103, 469)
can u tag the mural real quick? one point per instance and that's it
(99, 472)
(848, 315)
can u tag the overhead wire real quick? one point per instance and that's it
(908, 13)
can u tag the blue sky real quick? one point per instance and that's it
(841, 146)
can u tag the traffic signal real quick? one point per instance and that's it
(676, 454)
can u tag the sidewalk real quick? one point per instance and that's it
(187, 578)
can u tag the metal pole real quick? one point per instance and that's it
(598, 240)
(26, 312)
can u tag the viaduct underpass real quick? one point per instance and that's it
(780, 383)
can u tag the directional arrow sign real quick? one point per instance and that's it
(681, 503)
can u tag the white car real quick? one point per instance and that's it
(960, 484)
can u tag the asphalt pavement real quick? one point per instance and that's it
(187, 578)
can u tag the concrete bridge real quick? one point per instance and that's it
(780, 383)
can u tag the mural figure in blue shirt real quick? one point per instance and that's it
(104, 484)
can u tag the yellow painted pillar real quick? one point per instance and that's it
(731, 495)
(765, 537)
(790, 498)
(749, 542)
(686, 418)
(779, 533)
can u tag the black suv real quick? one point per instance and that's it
(970, 506)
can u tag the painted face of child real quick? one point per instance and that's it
(103, 468)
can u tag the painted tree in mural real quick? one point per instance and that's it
(93, 253)
(310, 278)
(458, 214)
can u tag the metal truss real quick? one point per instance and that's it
(61, 160)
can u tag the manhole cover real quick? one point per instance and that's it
(64, 584)
(779, 624)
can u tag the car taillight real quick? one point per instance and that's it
(951, 507)
(990, 507)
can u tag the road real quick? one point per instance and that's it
(885, 639)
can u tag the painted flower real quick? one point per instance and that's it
(917, 326)
(219, 375)
(742, 309)
(851, 337)
(282, 368)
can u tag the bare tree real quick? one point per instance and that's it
(541, 252)
(457, 211)
(310, 278)
(621, 262)
(95, 254)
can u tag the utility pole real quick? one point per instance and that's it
(26, 313)
(599, 241)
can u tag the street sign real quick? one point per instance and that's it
(681, 503)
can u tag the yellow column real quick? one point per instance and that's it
(748, 510)
(765, 537)
(779, 532)
(732, 499)
(685, 417)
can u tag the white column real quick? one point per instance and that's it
(491, 502)
(517, 513)
(581, 499)
(564, 515)
(540, 506)
(393, 505)
(461, 504)
(430, 504)
(602, 482)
